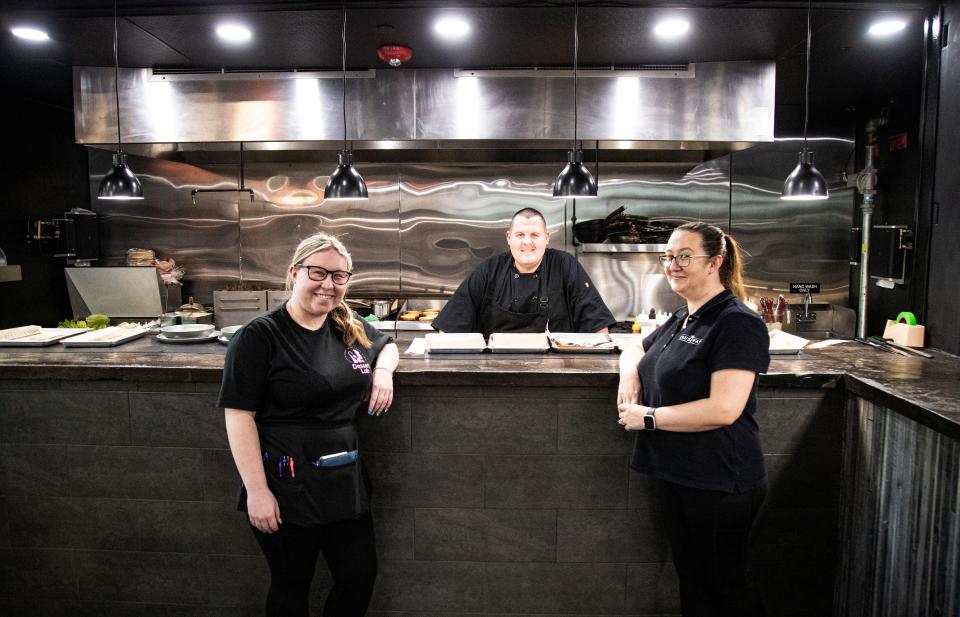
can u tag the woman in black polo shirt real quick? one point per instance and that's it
(696, 376)
(293, 382)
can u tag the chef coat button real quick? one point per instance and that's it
(536, 276)
(516, 276)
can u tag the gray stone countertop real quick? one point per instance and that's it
(925, 390)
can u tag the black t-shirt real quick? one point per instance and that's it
(560, 288)
(676, 368)
(306, 388)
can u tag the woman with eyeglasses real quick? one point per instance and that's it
(294, 380)
(690, 393)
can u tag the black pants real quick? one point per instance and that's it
(351, 554)
(708, 533)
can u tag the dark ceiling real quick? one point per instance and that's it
(847, 65)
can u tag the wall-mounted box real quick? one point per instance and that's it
(888, 252)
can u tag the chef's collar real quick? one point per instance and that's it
(721, 298)
(517, 274)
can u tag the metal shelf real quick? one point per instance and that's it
(621, 248)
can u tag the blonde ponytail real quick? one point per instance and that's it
(715, 242)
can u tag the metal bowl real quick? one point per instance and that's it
(196, 330)
(229, 331)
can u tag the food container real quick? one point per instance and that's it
(449, 342)
(187, 331)
(381, 308)
(169, 319)
(519, 342)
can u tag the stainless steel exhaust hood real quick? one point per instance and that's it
(718, 106)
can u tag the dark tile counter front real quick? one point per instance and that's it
(501, 484)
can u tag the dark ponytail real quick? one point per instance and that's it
(715, 242)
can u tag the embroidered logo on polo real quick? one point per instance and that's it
(356, 360)
(689, 339)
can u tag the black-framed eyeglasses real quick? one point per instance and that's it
(682, 260)
(316, 273)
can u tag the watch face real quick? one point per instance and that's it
(649, 422)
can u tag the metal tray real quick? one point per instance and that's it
(81, 341)
(540, 350)
(55, 336)
(568, 349)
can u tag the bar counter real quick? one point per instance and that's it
(501, 487)
(927, 391)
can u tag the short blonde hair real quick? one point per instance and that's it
(344, 318)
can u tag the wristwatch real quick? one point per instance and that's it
(650, 419)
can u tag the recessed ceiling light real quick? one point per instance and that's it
(234, 33)
(30, 34)
(671, 28)
(451, 27)
(887, 27)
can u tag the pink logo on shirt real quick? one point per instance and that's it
(356, 360)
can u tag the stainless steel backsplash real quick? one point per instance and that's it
(427, 225)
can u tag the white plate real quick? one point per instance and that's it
(47, 336)
(186, 341)
(223, 340)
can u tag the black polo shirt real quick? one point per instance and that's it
(676, 368)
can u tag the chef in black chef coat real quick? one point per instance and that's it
(531, 288)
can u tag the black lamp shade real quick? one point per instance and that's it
(805, 182)
(120, 183)
(345, 182)
(575, 180)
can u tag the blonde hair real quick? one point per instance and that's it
(344, 318)
(716, 242)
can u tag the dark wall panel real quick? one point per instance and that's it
(943, 317)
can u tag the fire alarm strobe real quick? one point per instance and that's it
(394, 55)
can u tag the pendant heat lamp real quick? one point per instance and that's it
(345, 182)
(575, 179)
(805, 182)
(120, 183)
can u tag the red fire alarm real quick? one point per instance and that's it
(394, 55)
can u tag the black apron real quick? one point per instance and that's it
(310, 493)
(497, 314)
